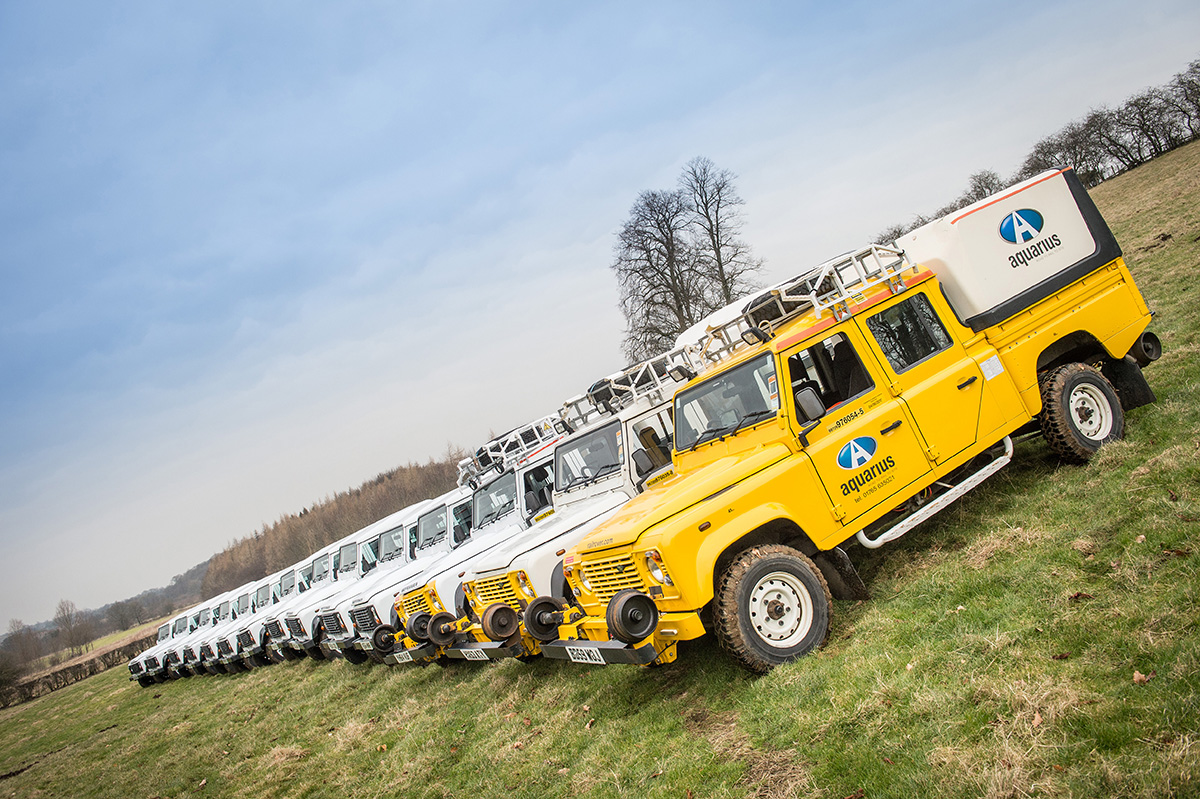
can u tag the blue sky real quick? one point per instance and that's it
(253, 254)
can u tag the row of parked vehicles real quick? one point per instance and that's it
(722, 487)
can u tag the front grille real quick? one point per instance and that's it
(152, 662)
(224, 648)
(245, 639)
(416, 602)
(611, 575)
(364, 619)
(490, 590)
(170, 659)
(206, 652)
(274, 628)
(295, 627)
(333, 623)
(135, 667)
(188, 655)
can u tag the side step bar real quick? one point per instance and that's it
(926, 511)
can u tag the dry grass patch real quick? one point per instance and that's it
(769, 775)
(1005, 539)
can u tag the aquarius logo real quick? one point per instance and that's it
(857, 453)
(1021, 226)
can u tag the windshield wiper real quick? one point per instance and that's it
(601, 471)
(743, 421)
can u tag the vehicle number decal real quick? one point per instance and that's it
(474, 654)
(584, 654)
(403, 656)
(847, 419)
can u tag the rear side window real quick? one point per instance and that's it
(909, 332)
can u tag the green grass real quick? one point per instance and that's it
(997, 657)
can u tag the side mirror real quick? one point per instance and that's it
(808, 405)
(642, 462)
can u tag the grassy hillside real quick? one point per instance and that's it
(1038, 639)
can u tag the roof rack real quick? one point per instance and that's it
(508, 450)
(832, 286)
(654, 379)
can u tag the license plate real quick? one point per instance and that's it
(366, 645)
(333, 646)
(474, 654)
(403, 656)
(584, 654)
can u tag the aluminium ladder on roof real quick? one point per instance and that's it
(651, 379)
(508, 450)
(832, 286)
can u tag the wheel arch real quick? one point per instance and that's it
(777, 530)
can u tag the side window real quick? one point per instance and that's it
(462, 522)
(909, 332)
(653, 434)
(832, 368)
(538, 482)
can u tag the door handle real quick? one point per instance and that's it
(891, 427)
(967, 382)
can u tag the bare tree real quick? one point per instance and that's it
(1149, 120)
(74, 628)
(1183, 94)
(722, 257)
(24, 644)
(679, 256)
(661, 290)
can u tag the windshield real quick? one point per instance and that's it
(726, 403)
(224, 613)
(262, 597)
(496, 499)
(588, 457)
(347, 558)
(243, 603)
(164, 632)
(431, 527)
(180, 625)
(391, 544)
(320, 568)
(287, 583)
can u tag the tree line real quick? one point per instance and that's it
(297, 535)
(1102, 144)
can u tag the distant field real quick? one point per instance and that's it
(95, 648)
(1040, 638)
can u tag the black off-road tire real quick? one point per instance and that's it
(761, 582)
(355, 656)
(1080, 412)
(145, 681)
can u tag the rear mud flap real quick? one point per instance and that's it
(1127, 378)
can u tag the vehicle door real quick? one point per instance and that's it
(929, 371)
(864, 447)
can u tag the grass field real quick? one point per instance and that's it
(1037, 639)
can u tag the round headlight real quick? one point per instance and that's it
(525, 583)
(655, 567)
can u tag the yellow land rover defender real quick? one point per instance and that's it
(853, 402)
